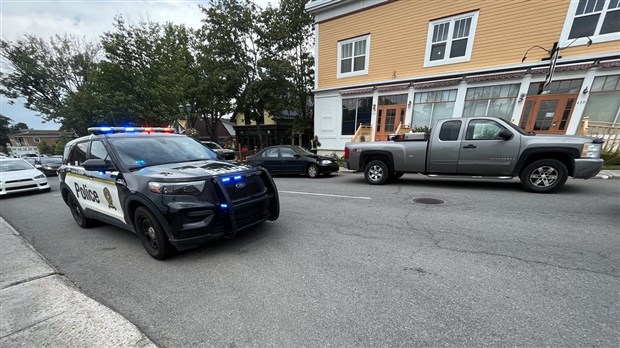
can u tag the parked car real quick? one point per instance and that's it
(227, 154)
(48, 165)
(485, 147)
(169, 189)
(17, 175)
(290, 159)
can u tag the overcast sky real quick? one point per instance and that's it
(88, 18)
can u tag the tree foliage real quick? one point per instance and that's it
(47, 74)
(244, 60)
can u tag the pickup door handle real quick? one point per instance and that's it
(470, 146)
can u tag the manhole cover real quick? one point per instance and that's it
(428, 200)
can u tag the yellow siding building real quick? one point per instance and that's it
(386, 62)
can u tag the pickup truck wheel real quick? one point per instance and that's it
(152, 235)
(544, 176)
(376, 172)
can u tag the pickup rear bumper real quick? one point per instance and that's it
(586, 168)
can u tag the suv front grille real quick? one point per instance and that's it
(250, 186)
(208, 193)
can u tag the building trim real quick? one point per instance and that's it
(350, 12)
(506, 68)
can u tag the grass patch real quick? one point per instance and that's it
(611, 167)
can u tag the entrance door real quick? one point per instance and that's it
(548, 114)
(388, 119)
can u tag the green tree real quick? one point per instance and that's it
(19, 126)
(145, 74)
(44, 148)
(5, 129)
(59, 147)
(47, 74)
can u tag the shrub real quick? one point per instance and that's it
(611, 158)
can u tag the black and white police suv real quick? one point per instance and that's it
(167, 188)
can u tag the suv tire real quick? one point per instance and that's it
(152, 235)
(376, 172)
(78, 213)
(544, 176)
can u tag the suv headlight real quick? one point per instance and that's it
(325, 162)
(591, 150)
(177, 188)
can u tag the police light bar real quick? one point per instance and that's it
(109, 130)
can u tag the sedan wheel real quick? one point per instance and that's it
(313, 171)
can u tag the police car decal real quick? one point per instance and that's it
(95, 193)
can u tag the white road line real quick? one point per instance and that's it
(323, 194)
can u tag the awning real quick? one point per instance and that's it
(499, 76)
(437, 83)
(357, 91)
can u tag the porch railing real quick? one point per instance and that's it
(608, 132)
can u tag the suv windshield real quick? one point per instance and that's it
(12, 166)
(141, 152)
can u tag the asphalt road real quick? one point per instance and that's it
(492, 265)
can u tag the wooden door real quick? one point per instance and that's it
(548, 114)
(388, 119)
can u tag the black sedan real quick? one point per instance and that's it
(48, 165)
(290, 159)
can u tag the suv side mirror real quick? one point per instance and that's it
(505, 134)
(95, 165)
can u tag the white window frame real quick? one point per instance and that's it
(36, 140)
(366, 61)
(568, 23)
(470, 40)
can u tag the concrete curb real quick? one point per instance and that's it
(42, 308)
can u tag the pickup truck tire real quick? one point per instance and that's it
(152, 235)
(544, 176)
(376, 172)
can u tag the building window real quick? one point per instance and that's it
(556, 87)
(604, 101)
(353, 56)
(36, 140)
(450, 40)
(355, 111)
(597, 19)
(429, 107)
(498, 101)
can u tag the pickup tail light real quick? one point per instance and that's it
(591, 150)
(346, 153)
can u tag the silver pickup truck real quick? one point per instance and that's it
(481, 147)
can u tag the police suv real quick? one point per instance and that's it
(169, 189)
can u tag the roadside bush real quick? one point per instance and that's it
(611, 158)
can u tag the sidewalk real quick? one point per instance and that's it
(604, 174)
(40, 308)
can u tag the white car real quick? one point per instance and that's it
(17, 175)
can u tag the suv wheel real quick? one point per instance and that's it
(544, 176)
(376, 172)
(152, 235)
(78, 213)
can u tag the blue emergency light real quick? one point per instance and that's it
(104, 130)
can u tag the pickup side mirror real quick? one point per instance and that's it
(96, 165)
(505, 134)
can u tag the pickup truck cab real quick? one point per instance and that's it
(485, 147)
